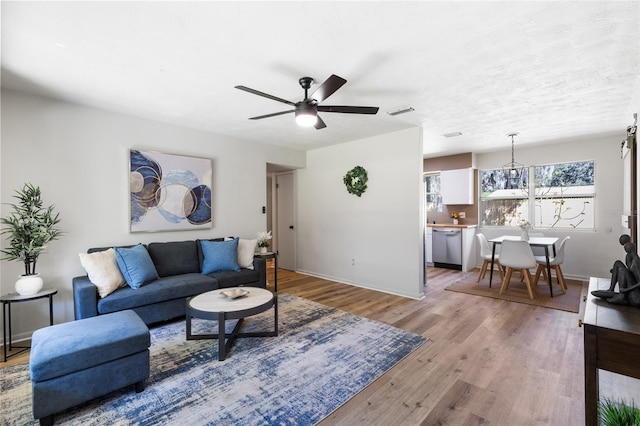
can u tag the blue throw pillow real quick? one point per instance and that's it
(219, 256)
(136, 265)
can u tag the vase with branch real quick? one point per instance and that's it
(29, 228)
(525, 227)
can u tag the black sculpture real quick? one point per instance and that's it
(626, 275)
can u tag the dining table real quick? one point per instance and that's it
(544, 242)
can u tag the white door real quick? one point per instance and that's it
(285, 222)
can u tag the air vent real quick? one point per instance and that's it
(401, 111)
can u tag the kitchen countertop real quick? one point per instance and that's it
(451, 225)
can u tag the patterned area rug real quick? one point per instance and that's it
(517, 291)
(321, 358)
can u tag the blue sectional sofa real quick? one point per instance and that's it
(179, 270)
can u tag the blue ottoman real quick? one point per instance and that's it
(77, 361)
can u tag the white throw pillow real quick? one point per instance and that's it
(246, 250)
(103, 271)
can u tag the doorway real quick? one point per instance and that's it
(285, 221)
(281, 214)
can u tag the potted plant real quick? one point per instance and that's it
(263, 241)
(613, 413)
(29, 228)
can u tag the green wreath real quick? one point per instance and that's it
(356, 180)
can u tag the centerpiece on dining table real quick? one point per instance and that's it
(525, 227)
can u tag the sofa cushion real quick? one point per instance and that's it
(220, 256)
(73, 346)
(103, 271)
(246, 250)
(174, 258)
(160, 290)
(136, 265)
(233, 279)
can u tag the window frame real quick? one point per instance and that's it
(523, 193)
(439, 207)
(572, 195)
(533, 201)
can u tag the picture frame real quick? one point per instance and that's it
(169, 192)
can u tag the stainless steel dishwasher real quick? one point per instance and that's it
(447, 248)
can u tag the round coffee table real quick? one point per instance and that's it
(215, 306)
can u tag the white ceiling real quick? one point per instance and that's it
(548, 70)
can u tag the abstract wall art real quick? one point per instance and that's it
(169, 192)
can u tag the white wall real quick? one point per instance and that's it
(588, 252)
(382, 230)
(79, 158)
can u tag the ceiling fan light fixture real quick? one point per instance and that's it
(306, 110)
(306, 117)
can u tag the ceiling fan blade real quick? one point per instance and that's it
(271, 115)
(348, 109)
(328, 88)
(265, 95)
(320, 124)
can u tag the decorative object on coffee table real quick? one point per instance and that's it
(30, 227)
(356, 181)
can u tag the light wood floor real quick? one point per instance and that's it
(487, 362)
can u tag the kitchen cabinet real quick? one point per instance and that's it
(468, 248)
(428, 246)
(456, 186)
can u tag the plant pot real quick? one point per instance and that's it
(524, 235)
(455, 221)
(263, 250)
(28, 284)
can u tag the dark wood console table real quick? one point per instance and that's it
(611, 342)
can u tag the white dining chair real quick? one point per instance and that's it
(554, 263)
(485, 253)
(516, 255)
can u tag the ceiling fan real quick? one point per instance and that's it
(306, 110)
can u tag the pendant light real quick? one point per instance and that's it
(513, 170)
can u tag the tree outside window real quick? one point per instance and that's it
(433, 197)
(562, 196)
(503, 201)
(565, 195)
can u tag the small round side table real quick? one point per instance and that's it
(10, 298)
(274, 256)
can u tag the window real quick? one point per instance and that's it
(503, 200)
(433, 197)
(562, 196)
